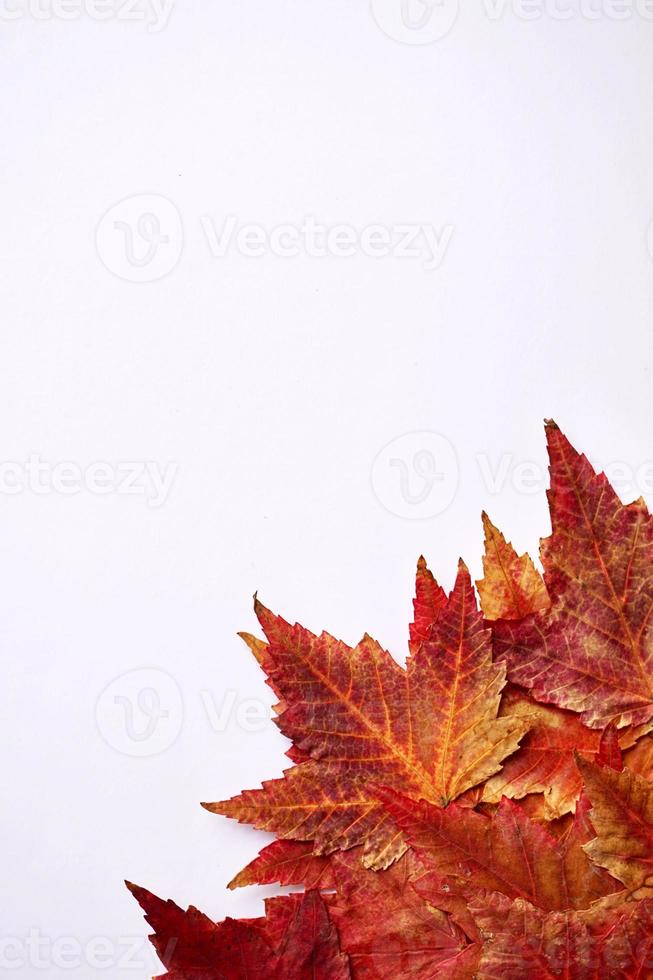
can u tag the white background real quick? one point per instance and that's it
(273, 383)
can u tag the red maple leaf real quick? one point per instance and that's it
(296, 939)
(592, 651)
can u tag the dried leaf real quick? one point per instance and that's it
(297, 941)
(526, 943)
(545, 761)
(592, 651)
(622, 816)
(507, 852)
(431, 730)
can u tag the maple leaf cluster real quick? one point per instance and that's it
(486, 811)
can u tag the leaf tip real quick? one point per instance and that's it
(142, 896)
(254, 645)
(260, 611)
(463, 578)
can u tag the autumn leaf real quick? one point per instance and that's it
(591, 881)
(592, 652)
(622, 816)
(506, 852)
(545, 760)
(297, 941)
(190, 944)
(526, 943)
(511, 587)
(430, 730)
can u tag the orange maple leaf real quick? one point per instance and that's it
(544, 762)
(356, 715)
(622, 816)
